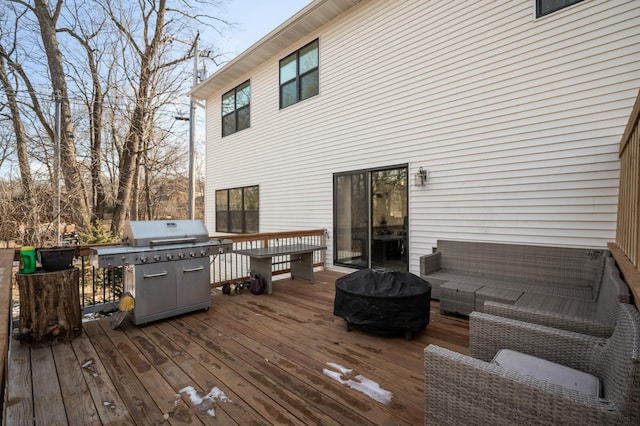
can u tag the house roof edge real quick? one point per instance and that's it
(300, 25)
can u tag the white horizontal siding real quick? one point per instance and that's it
(518, 120)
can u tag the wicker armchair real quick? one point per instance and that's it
(462, 389)
(596, 318)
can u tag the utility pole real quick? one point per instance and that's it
(56, 166)
(192, 133)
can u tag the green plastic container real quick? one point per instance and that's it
(27, 260)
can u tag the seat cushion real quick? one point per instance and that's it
(552, 288)
(548, 371)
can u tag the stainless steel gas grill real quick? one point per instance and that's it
(166, 264)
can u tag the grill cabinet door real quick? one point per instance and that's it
(155, 291)
(193, 283)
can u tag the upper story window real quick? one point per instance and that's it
(299, 77)
(236, 109)
(545, 7)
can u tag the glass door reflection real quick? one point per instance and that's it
(352, 220)
(371, 218)
(389, 204)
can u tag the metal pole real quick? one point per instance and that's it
(192, 134)
(56, 165)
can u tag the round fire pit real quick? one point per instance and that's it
(383, 301)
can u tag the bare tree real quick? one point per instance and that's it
(145, 47)
(87, 30)
(120, 68)
(20, 138)
(151, 45)
(47, 20)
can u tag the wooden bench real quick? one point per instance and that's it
(300, 258)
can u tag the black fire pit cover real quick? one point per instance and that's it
(383, 301)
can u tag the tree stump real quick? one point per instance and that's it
(49, 307)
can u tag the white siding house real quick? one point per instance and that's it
(517, 120)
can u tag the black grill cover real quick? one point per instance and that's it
(383, 301)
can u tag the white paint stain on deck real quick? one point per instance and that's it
(346, 376)
(205, 402)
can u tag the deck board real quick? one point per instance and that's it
(267, 353)
(148, 372)
(303, 357)
(133, 392)
(254, 369)
(205, 374)
(312, 404)
(108, 403)
(46, 388)
(79, 407)
(19, 396)
(170, 364)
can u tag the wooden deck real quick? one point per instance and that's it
(268, 355)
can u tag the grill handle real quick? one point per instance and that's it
(173, 241)
(160, 274)
(200, 268)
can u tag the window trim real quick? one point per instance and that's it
(539, 4)
(236, 110)
(298, 77)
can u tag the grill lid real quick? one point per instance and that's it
(163, 232)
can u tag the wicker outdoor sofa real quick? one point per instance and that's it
(570, 288)
(594, 317)
(462, 389)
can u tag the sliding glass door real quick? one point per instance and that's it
(371, 218)
(352, 228)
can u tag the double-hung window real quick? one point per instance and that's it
(299, 76)
(236, 109)
(545, 7)
(237, 210)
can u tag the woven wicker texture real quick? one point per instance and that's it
(458, 297)
(561, 271)
(502, 295)
(568, 288)
(462, 389)
(582, 316)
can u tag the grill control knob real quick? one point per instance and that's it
(143, 259)
(220, 250)
(181, 255)
(192, 254)
(156, 258)
(203, 253)
(169, 256)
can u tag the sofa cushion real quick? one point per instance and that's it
(441, 277)
(570, 306)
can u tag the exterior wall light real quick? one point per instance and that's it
(421, 177)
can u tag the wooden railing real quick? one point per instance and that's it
(6, 275)
(627, 250)
(100, 288)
